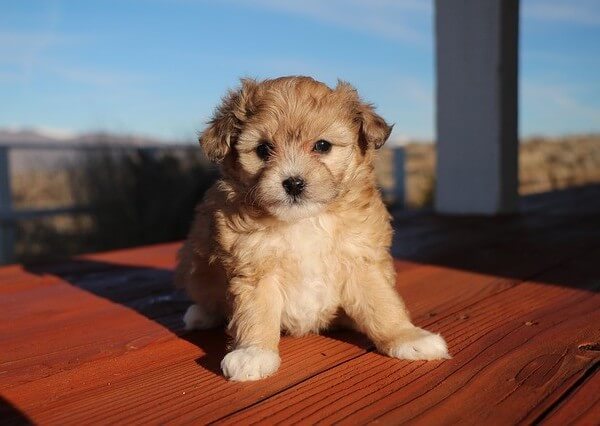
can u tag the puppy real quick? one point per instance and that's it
(295, 236)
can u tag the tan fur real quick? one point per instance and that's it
(269, 265)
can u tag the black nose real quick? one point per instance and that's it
(294, 185)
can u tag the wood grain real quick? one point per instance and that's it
(511, 353)
(582, 407)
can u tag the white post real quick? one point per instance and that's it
(7, 232)
(477, 135)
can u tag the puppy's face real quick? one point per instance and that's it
(292, 145)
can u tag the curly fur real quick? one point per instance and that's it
(269, 263)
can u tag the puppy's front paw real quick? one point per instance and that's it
(251, 363)
(416, 343)
(197, 318)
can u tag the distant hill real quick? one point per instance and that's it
(22, 160)
(41, 136)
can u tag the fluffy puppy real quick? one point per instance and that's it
(295, 235)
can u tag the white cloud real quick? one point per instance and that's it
(21, 48)
(560, 96)
(581, 12)
(415, 91)
(56, 133)
(93, 77)
(24, 54)
(21, 51)
(384, 18)
(29, 40)
(551, 108)
(11, 77)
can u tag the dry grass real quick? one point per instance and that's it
(140, 200)
(42, 189)
(548, 165)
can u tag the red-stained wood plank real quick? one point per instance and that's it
(155, 256)
(57, 326)
(582, 407)
(514, 352)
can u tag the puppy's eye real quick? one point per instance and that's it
(322, 146)
(264, 150)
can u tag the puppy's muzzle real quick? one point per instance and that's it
(294, 186)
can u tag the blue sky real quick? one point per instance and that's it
(158, 67)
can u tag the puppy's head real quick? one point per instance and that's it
(292, 145)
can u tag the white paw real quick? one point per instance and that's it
(251, 363)
(197, 318)
(417, 343)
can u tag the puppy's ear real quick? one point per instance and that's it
(374, 131)
(227, 121)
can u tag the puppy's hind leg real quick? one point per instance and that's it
(206, 288)
(198, 317)
(373, 303)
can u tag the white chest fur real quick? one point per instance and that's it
(309, 289)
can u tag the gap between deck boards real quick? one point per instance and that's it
(553, 408)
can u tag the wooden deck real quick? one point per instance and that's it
(99, 339)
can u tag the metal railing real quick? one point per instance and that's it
(9, 216)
